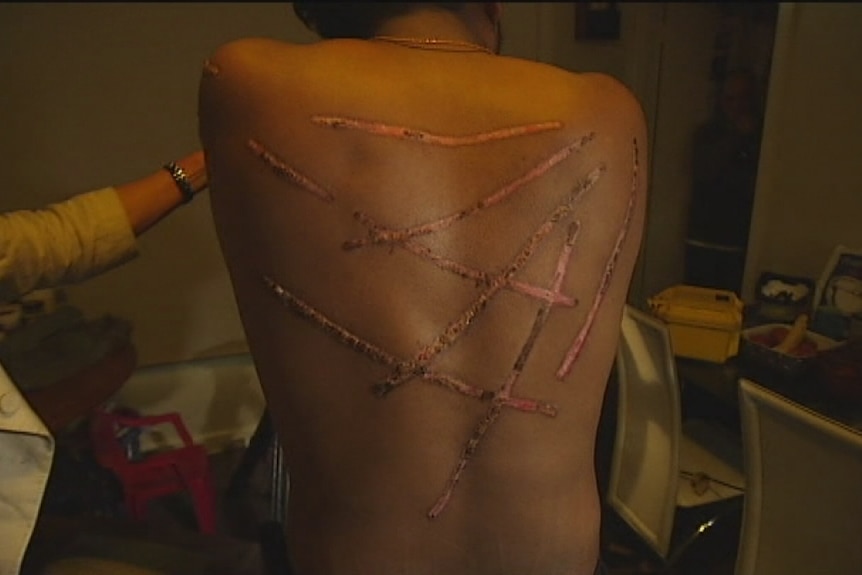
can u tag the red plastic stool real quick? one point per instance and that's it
(154, 474)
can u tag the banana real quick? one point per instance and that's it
(795, 335)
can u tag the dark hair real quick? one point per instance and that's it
(356, 19)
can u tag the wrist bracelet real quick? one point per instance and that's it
(181, 180)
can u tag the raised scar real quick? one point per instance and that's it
(484, 278)
(407, 370)
(384, 235)
(281, 169)
(424, 137)
(418, 367)
(375, 353)
(508, 386)
(578, 344)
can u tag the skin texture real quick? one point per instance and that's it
(418, 240)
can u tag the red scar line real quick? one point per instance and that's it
(407, 370)
(281, 169)
(490, 283)
(484, 278)
(505, 391)
(306, 311)
(378, 235)
(578, 344)
(554, 297)
(404, 371)
(414, 135)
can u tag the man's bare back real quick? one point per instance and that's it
(430, 250)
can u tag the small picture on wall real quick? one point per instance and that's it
(597, 21)
(841, 284)
(839, 293)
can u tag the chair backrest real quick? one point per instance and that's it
(645, 466)
(803, 503)
(106, 428)
(219, 398)
(107, 449)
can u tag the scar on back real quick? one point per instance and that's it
(610, 266)
(419, 367)
(422, 136)
(379, 234)
(281, 169)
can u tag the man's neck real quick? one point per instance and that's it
(435, 23)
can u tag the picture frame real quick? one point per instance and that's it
(838, 296)
(597, 21)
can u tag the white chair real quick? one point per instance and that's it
(658, 468)
(803, 506)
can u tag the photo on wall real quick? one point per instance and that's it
(839, 294)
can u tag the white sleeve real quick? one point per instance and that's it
(63, 243)
(26, 451)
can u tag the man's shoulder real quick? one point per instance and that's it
(252, 51)
(251, 46)
(246, 52)
(243, 65)
(260, 62)
(602, 98)
(607, 90)
(582, 90)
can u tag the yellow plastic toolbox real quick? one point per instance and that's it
(704, 323)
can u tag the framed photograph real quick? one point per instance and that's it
(597, 21)
(839, 292)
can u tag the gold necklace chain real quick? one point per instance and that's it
(434, 44)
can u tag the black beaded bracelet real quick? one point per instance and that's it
(181, 180)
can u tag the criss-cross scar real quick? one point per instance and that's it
(420, 365)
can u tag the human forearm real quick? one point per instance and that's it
(151, 198)
(63, 243)
(89, 233)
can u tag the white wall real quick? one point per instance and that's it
(520, 29)
(809, 193)
(545, 31)
(95, 94)
(681, 101)
(663, 55)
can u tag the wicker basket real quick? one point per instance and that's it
(785, 364)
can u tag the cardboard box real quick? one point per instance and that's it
(704, 323)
